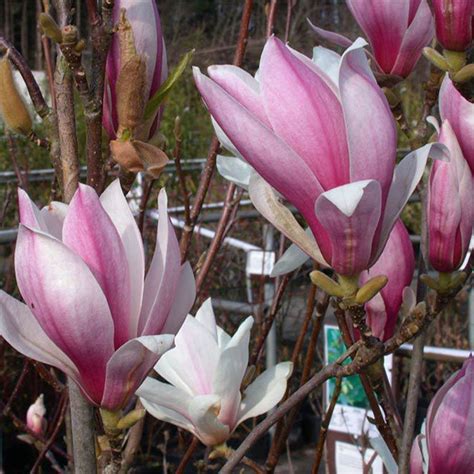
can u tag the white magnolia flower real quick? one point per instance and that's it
(205, 371)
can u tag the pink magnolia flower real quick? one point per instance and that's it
(450, 424)
(397, 32)
(397, 262)
(322, 134)
(89, 310)
(453, 23)
(460, 113)
(149, 43)
(205, 370)
(35, 419)
(416, 456)
(450, 209)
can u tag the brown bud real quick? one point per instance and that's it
(154, 160)
(125, 154)
(50, 28)
(12, 108)
(130, 90)
(126, 38)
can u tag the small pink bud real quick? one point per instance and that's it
(35, 416)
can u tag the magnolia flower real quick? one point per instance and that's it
(453, 23)
(35, 419)
(397, 32)
(205, 370)
(328, 147)
(89, 310)
(148, 43)
(397, 262)
(449, 427)
(460, 113)
(450, 209)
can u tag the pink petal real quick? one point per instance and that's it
(406, 176)
(128, 367)
(460, 113)
(335, 38)
(416, 458)
(384, 22)
(310, 118)
(370, 126)
(183, 302)
(115, 205)
(418, 35)
(89, 231)
(53, 215)
(68, 303)
(163, 276)
(268, 154)
(242, 87)
(29, 213)
(19, 327)
(350, 214)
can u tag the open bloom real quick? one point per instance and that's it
(89, 310)
(450, 209)
(147, 38)
(321, 133)
(397, 263)
(453, 23)
(397, 32)
(450, 426)
(35, 419)
(460, 113)
(205, 370)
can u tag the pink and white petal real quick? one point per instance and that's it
(30, 215)
(165, 402)
(418, 35)
(227, 381)
(384, 22)
(128, 367)
(405, 179)
(330, 36)
(292, 259)
(460, 113)
(202, 413)
(183, 302)
(224, 139)
(267, 203)
(416, 457)
(328, 61)
(53, 216)
(261, 148)
(222, 338)
(371, 130)
(90, 233)
(158, 74)
(265, 391)
(18, 326)
(205, 315)
(235, 170)
(351, 215)
(68, 303)
(116, 206)
(377, 316)
(310, 119)
(163, 276)
(242, 86)
(193, 361)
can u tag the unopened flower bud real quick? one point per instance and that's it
(370, 289)
(130, 91)
(12, 108)
(327, 284)
(35, 416)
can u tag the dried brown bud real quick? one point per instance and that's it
(154, 160)
(130, 90)
(12, 108)
(50, 28)
(125, 154)
(126, 38)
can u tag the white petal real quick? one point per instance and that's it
(205, 315)
(292, 259)
(265, 391)
(235, 170)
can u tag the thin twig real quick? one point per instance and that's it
(180, 172)
(147, 188)
(332, 370)
(187, 456)
(318, 454)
